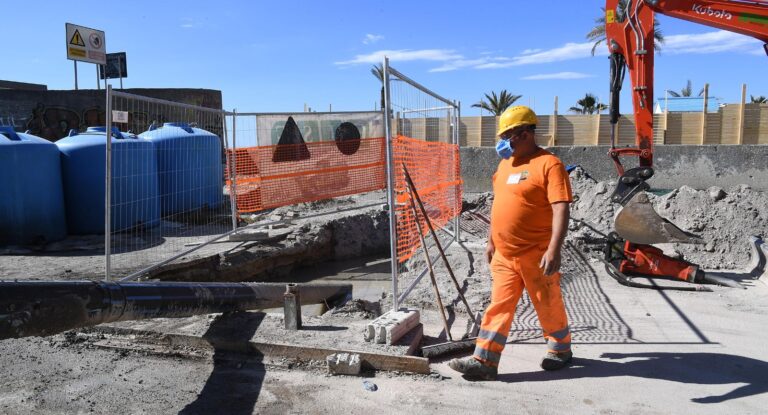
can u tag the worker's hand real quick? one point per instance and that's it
(550, 262)
(489, 250)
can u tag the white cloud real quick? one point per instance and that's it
(404, 55)
(188, 23)
(569, 51)
(558, 75)
(369, 38)
(466, 63)
(710, 42)
(703, 43)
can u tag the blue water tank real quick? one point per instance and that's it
(189, 167)
(31, 196)
(135, 200)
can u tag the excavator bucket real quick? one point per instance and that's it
(639, 223)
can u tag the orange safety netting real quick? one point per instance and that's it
(286, 174)
(436, 173)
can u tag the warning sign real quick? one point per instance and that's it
(86, 44)
(77, 40)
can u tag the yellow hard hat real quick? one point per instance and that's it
(515, 117)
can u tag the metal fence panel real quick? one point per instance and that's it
(165, 184)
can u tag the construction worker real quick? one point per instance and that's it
(529, 220)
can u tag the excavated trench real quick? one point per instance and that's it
(304, 251)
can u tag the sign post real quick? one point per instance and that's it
(86, 45)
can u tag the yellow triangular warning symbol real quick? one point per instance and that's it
(77, 40)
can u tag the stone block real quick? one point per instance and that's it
(391, 326)
(343, 364)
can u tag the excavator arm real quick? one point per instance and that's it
(629, 32)
(630, 38)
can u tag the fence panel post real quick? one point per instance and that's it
(390, 185)
(704, 114)
(741, 113)
(108, 190)
(553, 135)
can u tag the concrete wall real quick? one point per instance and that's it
(22, 85)
(696, 166)
(51, 114)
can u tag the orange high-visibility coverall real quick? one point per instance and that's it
(521, 227)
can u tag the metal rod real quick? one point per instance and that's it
(429, 264)
(303, 113)
(139, 273)
(437, 241)
(75, 75)
(390, 184)
(98, 80)
(121, 94)
(44, 308)
(108, 190)
(448, 107)
(416, 85)
(233, 172)
(415, 282)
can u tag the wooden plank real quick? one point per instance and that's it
(377, 361)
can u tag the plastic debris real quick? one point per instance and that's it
(370, 386)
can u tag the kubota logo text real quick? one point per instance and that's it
(708, 11)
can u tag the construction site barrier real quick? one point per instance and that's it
(285, 174)
(435, 170)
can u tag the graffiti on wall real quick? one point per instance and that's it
(55, 122)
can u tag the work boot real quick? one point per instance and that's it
(555, 361)
(473, 368)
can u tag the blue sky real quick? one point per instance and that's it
(279, 55)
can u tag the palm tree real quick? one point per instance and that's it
(759, 100)
(378, 71)
(497, 104)
(685, 92)
(597, 34)
(588, 105)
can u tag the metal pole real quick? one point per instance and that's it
(98, 80)
(233, 172)
(456, 133)
(108, 190)
(390, 185)
(75, 75)
(120, 69)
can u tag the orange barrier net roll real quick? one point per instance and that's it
(286, 174)
(436, 173)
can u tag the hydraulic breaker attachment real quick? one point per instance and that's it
(651, 261)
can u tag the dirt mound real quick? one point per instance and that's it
(723, 218)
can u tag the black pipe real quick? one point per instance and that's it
(39, 308)
(618, 69)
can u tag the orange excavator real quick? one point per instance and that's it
(630, 39)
